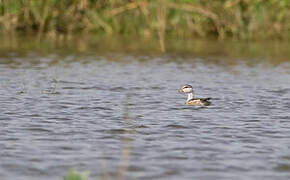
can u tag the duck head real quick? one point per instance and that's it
(186, 89)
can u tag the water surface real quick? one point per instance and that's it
(122, 117)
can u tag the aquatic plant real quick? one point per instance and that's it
(75, 175)
(222, 19)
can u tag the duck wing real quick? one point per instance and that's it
(199, 102)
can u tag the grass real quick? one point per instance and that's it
(151, 19)
(75, 175)
(221, 19)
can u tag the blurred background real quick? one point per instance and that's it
(92, 85)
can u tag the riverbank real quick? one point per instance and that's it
(228, 19)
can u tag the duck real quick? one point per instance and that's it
(191, 100)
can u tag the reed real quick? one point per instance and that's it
(223, 19)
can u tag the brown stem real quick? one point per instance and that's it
(162, 24)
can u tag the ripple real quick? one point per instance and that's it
(119, 131)
(107, 113)
(38, 129)
(176, 126)
(69, 82)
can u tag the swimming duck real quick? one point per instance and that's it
(191, 100)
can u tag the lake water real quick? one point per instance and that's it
(121, 117)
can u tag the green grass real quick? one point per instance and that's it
(75, 175)
(220, 19)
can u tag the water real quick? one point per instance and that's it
(122, 117)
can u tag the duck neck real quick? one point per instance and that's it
(189, 96)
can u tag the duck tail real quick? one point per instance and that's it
(206, 99)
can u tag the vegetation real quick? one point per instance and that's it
(75, 175)
(221, 19)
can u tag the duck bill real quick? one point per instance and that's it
(180, 90)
